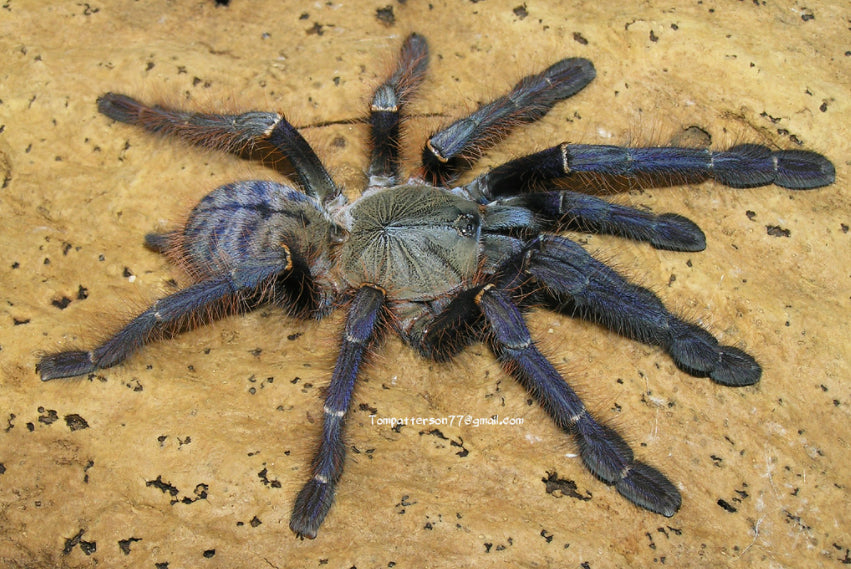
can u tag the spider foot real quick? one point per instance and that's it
(65, 364)
(735, 368)
(803, 170)
(310, 508)
(674, 232)
(648, 488)
(752, 165)
(609, 457)
(698, 353)
(121, 108)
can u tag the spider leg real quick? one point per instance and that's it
(581, 212)
(232, 133)
(160, 242)
(603, 451)
(577, 282)
(315, 498)
(443, 335)
(385, 111)
(742, 166)
(201, 299)
(451, 149)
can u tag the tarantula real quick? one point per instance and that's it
(442, 265)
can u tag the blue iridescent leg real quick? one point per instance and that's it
(581, 212)
(451, 149)
(315, 498)
(603, 451)
(204, 299)
(387, 107)
(580, 284)
(742, 166)
(232, 133)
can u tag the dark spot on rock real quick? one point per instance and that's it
(385, 15)
(559, 487)
(777, 231)
(87, 547)
(164, 487)
(124, 544)
(47, 417)
(263, 475)
(76, 422)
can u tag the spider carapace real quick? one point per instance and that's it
(443, 265)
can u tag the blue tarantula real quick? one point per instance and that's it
(442, 265)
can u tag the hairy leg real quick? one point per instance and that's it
(451, 149)
(316, 497)
(581, 212)
(573, 280)
(387, 108)
(204, 299)
(603, 451)
(232, 133)
(742, 166)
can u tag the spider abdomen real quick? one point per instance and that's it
(249, 222)
(416, 240)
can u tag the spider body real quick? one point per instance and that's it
(442, 265)
(251, 223)
(416, 241)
